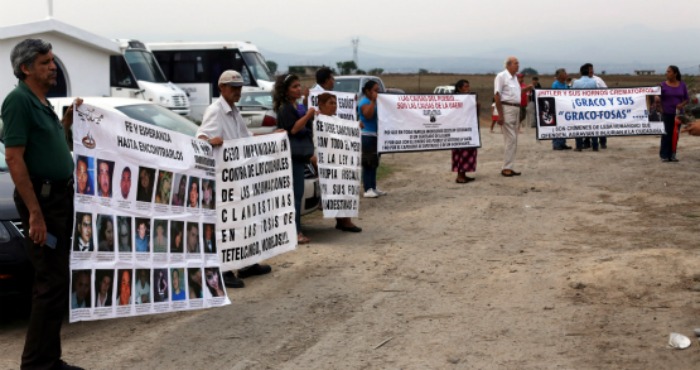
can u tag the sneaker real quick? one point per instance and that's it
(371, 193)
(256, 269)
(379, 192)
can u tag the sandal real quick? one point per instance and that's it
(302, 239)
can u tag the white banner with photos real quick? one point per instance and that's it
(143, 239)
(572, 113)
(339, 153)
(255, 200)
(411, 123)
(347, 103)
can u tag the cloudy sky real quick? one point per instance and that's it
(611, 31)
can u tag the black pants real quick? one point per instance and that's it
(42, 347)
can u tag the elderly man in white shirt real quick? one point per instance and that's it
(506, 90)
(222, 121)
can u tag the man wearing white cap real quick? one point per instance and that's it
(222, 121)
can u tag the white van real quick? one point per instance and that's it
(136, 74)
(196, 67)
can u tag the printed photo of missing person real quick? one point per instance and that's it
(208, 194)
(180, 192)
(194, 282)
(105, 170)
(165, 184)
(84, 175)
(214, 282)
(192, 237)
(177, 279)
(83, 238)
(80, 290)
(193, 192)
(144, 192)
(143, 235)
(547, 111)
(105, 233)
(209, 238)
(104, 282)
(124, 237)
(177, 236)
(125, 183)
(142, 286)
(160, 236)
(160, 285)
(124, 287)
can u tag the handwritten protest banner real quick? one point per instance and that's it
(255, 202)
(409, 123)
(599, 112)
(338, 147)
(144, 220)
(347, 103)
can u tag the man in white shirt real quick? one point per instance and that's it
(222, 121)
(506, 90)
(599, 83)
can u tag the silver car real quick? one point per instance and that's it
(256, 109)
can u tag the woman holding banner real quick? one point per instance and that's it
(286, 93)
(674, 97)
(328, 105)
(370, 158)
(464, 160)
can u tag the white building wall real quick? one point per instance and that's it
(86, 68)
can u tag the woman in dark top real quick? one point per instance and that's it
(287, 92)
(674, 97)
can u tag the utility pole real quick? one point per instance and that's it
(50, 8)
(355, 43)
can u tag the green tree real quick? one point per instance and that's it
(529, 71)
(347, 67)
(272, 66)
(376, 71)
(423, 71)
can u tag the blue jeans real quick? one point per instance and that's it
(667, 145)
(298, 185)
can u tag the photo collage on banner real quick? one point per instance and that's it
(573, 113)
(339, 154)
(145, 215)
(414, 123)
(255, 209)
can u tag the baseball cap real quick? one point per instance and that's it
(231, 78)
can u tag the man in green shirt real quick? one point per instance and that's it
(41, 167)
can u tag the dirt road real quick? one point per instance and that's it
(586, 261)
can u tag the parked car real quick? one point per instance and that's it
(16, 272)
(444, 90)
(354, 84)
(256, 109)
(394, 90)
(156, 115)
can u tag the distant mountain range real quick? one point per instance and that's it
(403, 64)
(614, 50)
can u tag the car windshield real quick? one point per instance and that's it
(159, 116)
(144, 66)
(258, 98)
(257, 65)
(351, 86)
